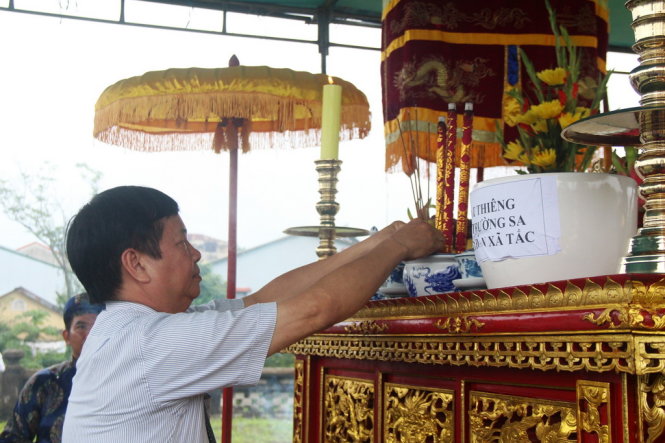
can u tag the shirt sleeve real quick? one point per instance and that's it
(192, 353)
(22, 425)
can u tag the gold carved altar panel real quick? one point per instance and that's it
(580, 360)
(505, 418)
(416, 413)
(348, 410)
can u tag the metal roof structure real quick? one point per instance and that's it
(320, 13)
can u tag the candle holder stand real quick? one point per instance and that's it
(327, 208)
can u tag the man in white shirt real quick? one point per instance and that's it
(147, 363)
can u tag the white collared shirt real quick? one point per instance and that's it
(142, 374)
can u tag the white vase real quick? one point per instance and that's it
(537, 228)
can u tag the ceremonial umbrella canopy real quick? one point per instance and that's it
(191, 109)
(234, 108)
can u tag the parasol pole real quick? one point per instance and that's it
(232, 137)
(227, 393)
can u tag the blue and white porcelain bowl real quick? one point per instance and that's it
(468, 266)
(394, 284)
(431, 275)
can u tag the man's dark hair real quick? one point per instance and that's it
(113, 221)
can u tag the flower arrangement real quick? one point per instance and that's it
(556, 100)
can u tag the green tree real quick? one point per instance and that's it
(212, 286)
(29, 328)
(31, 203)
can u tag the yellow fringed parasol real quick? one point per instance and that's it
(230, 109)
(188, 109)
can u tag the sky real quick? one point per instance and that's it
(54, 70)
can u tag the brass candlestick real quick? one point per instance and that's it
(327, 208)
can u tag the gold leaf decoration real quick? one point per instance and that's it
(495, 417)
(348, 410)
(591, 397)
(365, 327)
(456, 325)
(415, 414)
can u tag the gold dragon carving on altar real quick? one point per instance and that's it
(652, 405)
(348, 410)
(365, 327)
(298, 396)
(458, 325)
(641, 313)
(495, 417)
(415, 414)
(592, 397)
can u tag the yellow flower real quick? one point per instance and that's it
(553, 77)
(513, 150)
(544, 158)
(566, 118)
(583, 112)
(527, 118)
(511, 111)
(539, 126)
(545, 110)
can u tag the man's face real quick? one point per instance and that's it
(176, 274)
(78, 331)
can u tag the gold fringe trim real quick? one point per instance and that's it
(147, 142)
(139, 122)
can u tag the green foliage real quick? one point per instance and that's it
(51, 358)
(280, 361)
(30, 329)
(624, 165)
(212, 286)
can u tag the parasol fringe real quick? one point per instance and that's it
(148, 142)
(148, 114)
(143, 115)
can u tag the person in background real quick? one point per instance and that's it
(40, 410)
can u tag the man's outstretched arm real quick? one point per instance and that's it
(318, 295)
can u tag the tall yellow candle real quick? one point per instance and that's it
(330, 116)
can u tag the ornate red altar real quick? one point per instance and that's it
(578, 360)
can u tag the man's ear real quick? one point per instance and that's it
(133, 263)
(65, 335)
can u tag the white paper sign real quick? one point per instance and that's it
(515, 219)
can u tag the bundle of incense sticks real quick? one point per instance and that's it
(448, 173)
(440, 168)
(463, 197)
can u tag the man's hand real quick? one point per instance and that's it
(418, 238)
